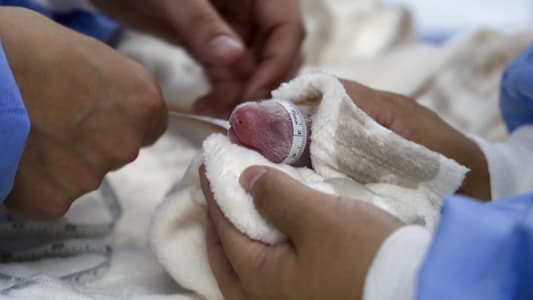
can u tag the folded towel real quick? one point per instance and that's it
(352, 156)
(348, 142)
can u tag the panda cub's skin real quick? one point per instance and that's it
(266, 127)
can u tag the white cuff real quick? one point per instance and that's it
(393, 273)
(508, 163)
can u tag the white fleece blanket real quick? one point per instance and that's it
(352, 156)
(359, 40)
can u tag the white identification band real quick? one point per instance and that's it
(299, 132)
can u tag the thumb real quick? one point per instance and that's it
(205, 32)
(287, 204)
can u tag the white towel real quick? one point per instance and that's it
(348, 142)
(352, 156)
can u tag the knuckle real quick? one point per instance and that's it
(121, 155)
(130, 154)
(146, 104)
(204, 20)
(56, 206)
(152, 112)
(153, 101)
(90, 182)
(149, 95)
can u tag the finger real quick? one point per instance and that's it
(156, 113)
(227, 280)
(226, 89)
(156, 127)
(281, 24)
(287, 204)
(295, 68)
(371, 102)
(144, 103)
(227, 85)
(205, 32)
(218, 103)
(246, 256)
(254, 94)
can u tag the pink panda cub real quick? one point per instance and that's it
(268, 127)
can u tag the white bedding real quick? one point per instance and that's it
(380, 52)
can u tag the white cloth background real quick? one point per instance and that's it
(360, 40)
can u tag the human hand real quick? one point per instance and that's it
(414, 122)
(331, 242)
(90, 109)
(247, 47)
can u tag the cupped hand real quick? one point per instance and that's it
(414, 122)
(90, 109)
(331, 242)
(247, 47)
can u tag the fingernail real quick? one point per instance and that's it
(250, 177)
(225, 47)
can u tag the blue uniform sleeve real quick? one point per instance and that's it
(91, 23)
(516, 94)
(14, 126)
(485, 251)
(481, 251)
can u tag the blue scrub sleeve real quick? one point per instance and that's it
(14, 126)
(485, 251)
(516, 94)
(94, 24)
(481, 251)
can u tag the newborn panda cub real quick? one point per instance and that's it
(268, 127)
